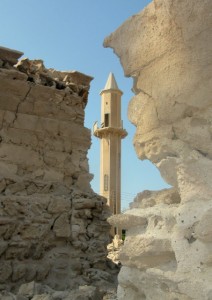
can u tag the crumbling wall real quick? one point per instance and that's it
(53, 227)
(167, 50)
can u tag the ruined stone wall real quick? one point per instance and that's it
(167, 50)
(53, 227)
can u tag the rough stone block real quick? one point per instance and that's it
(12, 93)
(84, 203)
(203, 230)
(2, 185)
(18, 136)
(59, 205)
(27, 289)
(19, 271)
(5, 270)
(36, 124)
(62, 226)
(34, 231)
(20, 155)
(126, 221)
(3, 246)
(9, 55)
(14, 188)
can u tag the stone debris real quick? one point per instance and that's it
(73, 82)
(167, 49)
(114, 249)
(53, 227)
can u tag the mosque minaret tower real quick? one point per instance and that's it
(110, 134)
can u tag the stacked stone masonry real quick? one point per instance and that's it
(53, 227)
(167, 50)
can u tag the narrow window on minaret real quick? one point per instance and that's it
(105, 182)
(107, 120)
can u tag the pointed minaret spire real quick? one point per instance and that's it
(111, 83)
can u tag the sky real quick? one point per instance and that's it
(68, 35)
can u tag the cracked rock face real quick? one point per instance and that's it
(53, 227)
(167, 49)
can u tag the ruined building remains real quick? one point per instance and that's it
(53, 227)
(167, 50)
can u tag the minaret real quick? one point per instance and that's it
(110, 134)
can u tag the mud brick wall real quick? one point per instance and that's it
(52, 225)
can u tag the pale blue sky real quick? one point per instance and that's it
(68, 35)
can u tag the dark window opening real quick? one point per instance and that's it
(107, 120)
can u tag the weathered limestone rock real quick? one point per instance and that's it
(167, 49)
(53, 227)
(114, 249)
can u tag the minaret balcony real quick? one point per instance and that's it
(104, 131)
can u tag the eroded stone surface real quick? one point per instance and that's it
(53, 226)
(167, 49)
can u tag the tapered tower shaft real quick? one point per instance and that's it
(110, 133)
